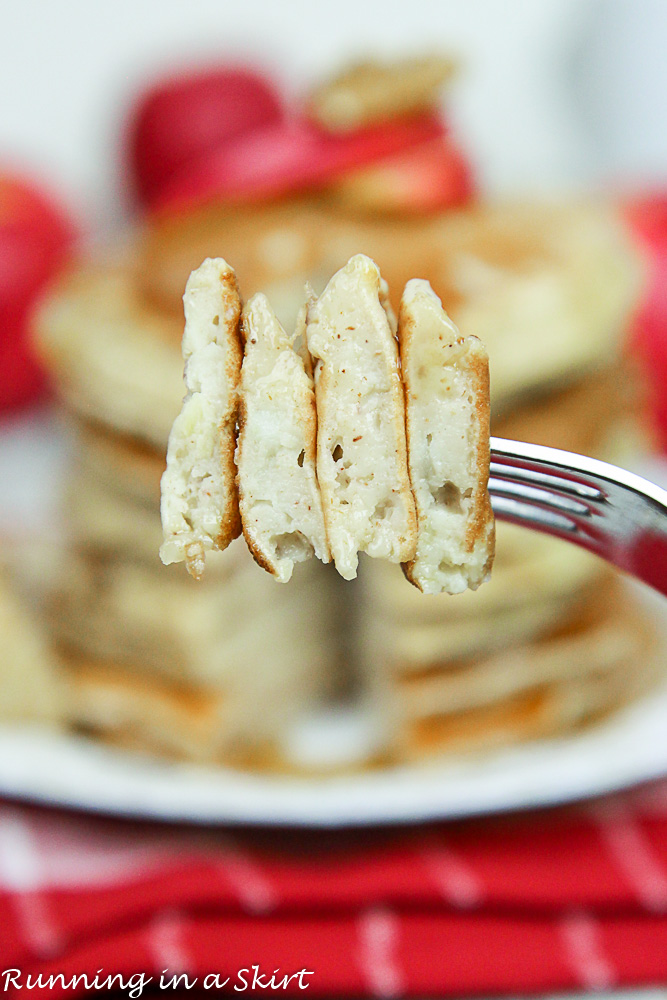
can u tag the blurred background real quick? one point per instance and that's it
(558, 93)
(514, 153)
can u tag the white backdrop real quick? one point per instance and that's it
(555, 93)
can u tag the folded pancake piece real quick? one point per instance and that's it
(199, 495)
(361, 450)
(446, 378)
(281, 509)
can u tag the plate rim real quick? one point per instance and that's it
(345, 801)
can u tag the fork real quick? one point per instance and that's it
(613, 513)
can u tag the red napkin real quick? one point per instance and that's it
(567, 898)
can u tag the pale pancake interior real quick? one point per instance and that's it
(281, 509)
(361, 452)
(447, 412)
(199, 501)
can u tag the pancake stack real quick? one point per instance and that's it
(31, 685)
(212, 670)
(217, 670)
(553, 642)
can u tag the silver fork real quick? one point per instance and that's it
(609, 511)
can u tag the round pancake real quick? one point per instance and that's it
(608, 631)
(110, 701)
(174, 719)
(531, 570)
(239, 628)
(416, 648)
(279, 244)
(30, 687)
(140, 713)
(556, 706)
(114, 359)
(541, 713)
(112, 525)
(549, 289)
(121, 465)
(146, 715)
(577, 417)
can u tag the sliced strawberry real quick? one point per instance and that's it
(22, 378)
(426, 178)
(292, 156)
(183, 118)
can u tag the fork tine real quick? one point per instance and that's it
(609, 511)
(550, 499)
(528, 514)
(505, 469)
(589, 477)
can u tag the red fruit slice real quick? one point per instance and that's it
(648, 217)
(292, 156)
(427, 178)
(183, 118)
(22, 378)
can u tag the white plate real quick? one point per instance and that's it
(69, 771)
(63, 770)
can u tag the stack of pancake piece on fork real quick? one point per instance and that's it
(218, 669)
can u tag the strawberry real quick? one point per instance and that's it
(185, 119)
(428, 177)
(288, 157)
